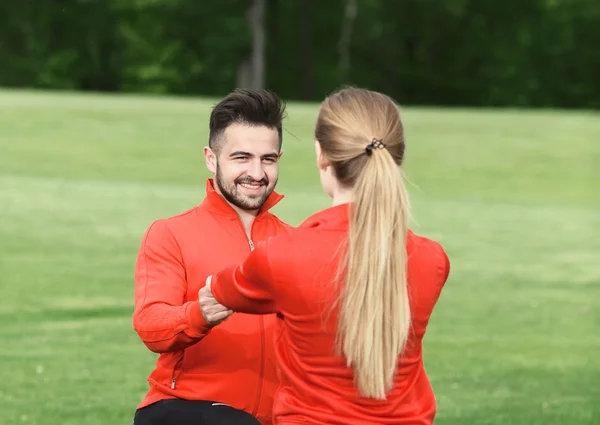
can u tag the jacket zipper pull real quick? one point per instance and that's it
(251, 244)
(173, 383)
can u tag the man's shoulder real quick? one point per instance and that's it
(183, 216)
(172, 224)
(282, 226)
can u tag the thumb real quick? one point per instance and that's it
(208, 280)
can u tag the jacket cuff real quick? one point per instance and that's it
(217, 289)
(196, 322)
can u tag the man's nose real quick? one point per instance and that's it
(256, 170)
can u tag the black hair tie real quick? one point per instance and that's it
(375, 144)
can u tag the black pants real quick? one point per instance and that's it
(192, 412)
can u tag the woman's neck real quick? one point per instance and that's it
(342, 196)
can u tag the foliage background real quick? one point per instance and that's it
(534, 53)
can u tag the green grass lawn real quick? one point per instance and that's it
(513, 196)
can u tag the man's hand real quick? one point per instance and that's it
(213, 312)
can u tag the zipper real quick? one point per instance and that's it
(262, 328)
(262, 341)
(175, 375)
(262, 365)
(250, 241)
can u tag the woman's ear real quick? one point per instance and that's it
(322, 162)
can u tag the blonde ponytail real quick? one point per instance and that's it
(374, 314)
(374, 319)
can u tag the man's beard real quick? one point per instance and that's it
(244, 202)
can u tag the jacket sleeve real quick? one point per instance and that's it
(248, 287)
(161, 318)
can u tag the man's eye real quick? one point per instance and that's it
(269, 160)
(240, 158)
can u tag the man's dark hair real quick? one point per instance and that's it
(246, 106)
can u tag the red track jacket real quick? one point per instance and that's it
(231, 363)
(292, 275)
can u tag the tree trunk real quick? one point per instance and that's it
(251, 72)
(350, 11)
(244, 74)
(306, 50)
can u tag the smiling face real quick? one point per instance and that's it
(246, 164)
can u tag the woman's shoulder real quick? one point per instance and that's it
(335, 217)
(316, 234)
(423, 242)
(428, 251)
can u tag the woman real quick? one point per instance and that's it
(353, 287)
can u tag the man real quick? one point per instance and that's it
(221, 372)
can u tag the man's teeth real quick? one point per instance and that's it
(250, 186)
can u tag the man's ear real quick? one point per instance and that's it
(210, 159)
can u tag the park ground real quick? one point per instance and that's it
(513, 195)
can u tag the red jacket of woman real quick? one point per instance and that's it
(292, 275)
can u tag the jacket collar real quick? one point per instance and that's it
(217, 204)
